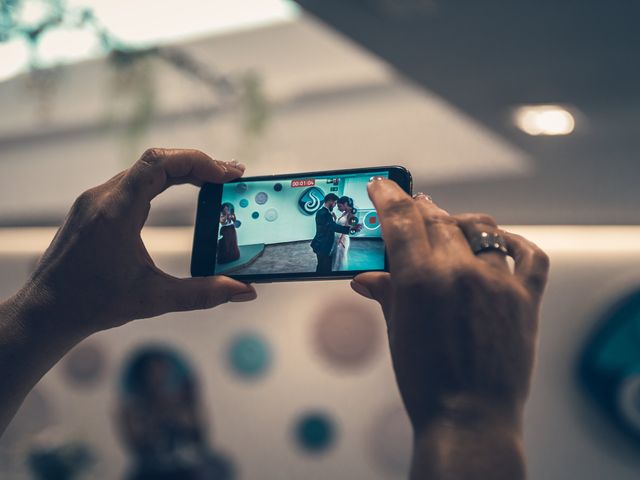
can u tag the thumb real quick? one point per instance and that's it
(199, 293)
(374, 285)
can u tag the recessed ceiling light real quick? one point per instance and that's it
(544, 120)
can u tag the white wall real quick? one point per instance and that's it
(565, 437)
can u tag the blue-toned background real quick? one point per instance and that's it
(290, 223)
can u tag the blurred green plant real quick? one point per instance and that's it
(134, 79)
(254, 105)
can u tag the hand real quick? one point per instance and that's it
(97, 273)
(462, 328)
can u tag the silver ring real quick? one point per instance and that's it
(485, 241)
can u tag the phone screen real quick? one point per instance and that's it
(322, 224)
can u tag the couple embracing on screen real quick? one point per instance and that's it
(331, 242)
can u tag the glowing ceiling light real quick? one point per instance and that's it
(544, 120)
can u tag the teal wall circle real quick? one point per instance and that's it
(261, 198)
(315, 432)
(249, 355)
(271, 215)
(244, 203)
(255, 215)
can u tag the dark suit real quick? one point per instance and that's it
(322, 243)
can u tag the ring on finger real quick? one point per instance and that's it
(488, 241)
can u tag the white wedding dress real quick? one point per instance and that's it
(341, 247)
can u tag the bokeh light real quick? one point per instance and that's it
(346, 335)
(544, 120)
(85, 365)
(391, 440)
(249, 355)
(315, 432)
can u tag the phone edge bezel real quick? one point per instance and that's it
(199, 253)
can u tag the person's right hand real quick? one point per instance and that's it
(97, 273)
(462, 328)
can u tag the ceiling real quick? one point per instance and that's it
(331, 104)
(487, 57)
(425, 84)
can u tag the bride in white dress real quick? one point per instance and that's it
(341, 246)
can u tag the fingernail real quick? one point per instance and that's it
(361, 289)
(234, 163)
(422, 196)
(376, 179)
(244, 297)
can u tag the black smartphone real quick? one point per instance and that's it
(303, 226)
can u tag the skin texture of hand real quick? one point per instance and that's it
(97, 273)
(462, 333)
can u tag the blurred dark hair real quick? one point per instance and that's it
(348, 201)
(228, 205)
(137, 371)
(330, 197)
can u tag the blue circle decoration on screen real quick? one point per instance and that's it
(241, 187)
(237, 224)
(249, 355)
(315, 432)
(255, 215)
(310, 201)
(271, 215)
(261, 198)
(277, 187)
(371, 220)
(244, 203)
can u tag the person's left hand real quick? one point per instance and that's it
(97, 273)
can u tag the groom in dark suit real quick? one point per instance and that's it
(326, 228)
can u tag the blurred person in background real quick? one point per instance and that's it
(462, 326)
(160, 420)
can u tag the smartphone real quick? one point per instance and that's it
(303, 226)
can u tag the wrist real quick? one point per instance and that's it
(30, 344)
(34, 314)
(457, 451)
(478, 412)
(470, 438)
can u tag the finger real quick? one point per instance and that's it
(199, 293)
(531, 262)
(474, 225)
(442, 229)
(376, 286)
(402, 227)
(159, 168)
